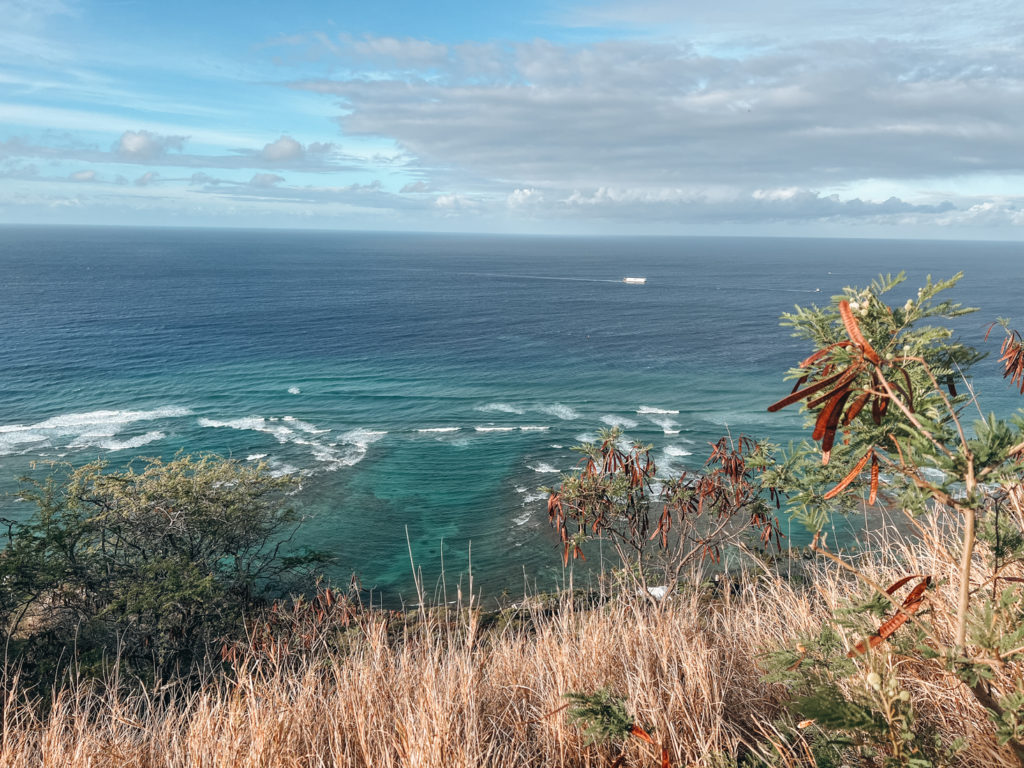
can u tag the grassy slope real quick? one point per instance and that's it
(444, 692)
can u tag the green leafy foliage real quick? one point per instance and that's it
(153, 565)
(911, 451)
(602, 715)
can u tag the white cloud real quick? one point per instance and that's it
(523, 197)
(147, 178)
(454, 202)
(285, 149)
(37, 116)
(263, 180)
(146, 145)
(83, 176)
(415, 186)
(407, 51)
(633, 127)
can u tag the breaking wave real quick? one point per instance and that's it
(85, 429)
(563, 412)
(543, 467)
(500, 408)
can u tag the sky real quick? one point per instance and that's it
(734, 117)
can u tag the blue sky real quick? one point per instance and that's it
(797, 117)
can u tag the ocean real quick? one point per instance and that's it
(424, 386)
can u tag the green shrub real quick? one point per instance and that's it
(886, 392)
(153, 565)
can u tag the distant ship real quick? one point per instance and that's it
(634, 280)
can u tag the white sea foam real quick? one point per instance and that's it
(294, 390)
(618, 421)
(304, 426)
(522, 519)
(543, 467)
(531, 498)
(89, 428)
(563, 412)
(533, 428)
(646, 409)
(73, 422)
(494, 429)
(280, 468)
(439, 430)
(668, 426)
(349, 449)
(109, 444)
(10, 442)
(253, 424)
(361, 436)
(255, 456)
(557, 446)
(500, 408)
(675, 450)
(586, 437)
(358, 442)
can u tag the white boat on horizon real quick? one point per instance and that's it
(634, 280)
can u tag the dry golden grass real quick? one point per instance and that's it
(443, 692)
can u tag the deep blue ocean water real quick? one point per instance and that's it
(423, 383)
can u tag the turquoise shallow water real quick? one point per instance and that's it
(426, 384)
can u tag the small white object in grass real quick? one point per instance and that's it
(658, 593)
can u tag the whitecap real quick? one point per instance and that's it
(500, 408)
(646, 409)
(531, 498)
(255, 456)
(354, 445)
(294, 390)
(675, 450)
(133, 442)
(586, 437)
(543, 467)
(563, 412)
(494, 429)
(522, 519)
(88, 428)
(361, 436)
(533, 428)
(668, 426)
(439, 430)
(72, 422)
(253, 424)
(10, 441)
(618, 421)
(280, 469)
(304, 426)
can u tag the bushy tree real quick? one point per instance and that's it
(153, 564)
(661, 526)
